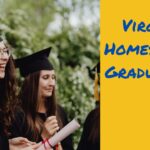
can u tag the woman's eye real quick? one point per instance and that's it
(45, 77)
(53, 77)
(7, 52)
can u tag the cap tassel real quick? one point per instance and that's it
(96, 93)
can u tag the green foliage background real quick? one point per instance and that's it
(31, 25)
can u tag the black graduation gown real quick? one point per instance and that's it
(19, 128)
(4, 145)
(84, 143)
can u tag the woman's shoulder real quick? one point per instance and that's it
(94, 112)
(92, 115)
(18, 125)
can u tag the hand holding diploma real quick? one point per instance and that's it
(50, 127)
(59, 136)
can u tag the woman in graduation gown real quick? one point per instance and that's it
(8, 99)
(40, 117)
(6, 68)
(90, 139)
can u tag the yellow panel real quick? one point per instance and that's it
(125, 103)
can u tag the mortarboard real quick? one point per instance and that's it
(96, 68)
(35, 62)
(94, 74)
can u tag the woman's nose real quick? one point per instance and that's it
(52, 82)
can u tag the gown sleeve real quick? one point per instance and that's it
(18, 127)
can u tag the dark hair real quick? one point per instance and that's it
(30, 105)
(8, 95)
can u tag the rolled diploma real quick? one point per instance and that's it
(62, 134)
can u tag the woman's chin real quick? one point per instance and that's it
(2, 75)
(48, 94)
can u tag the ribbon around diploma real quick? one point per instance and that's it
(44, 143)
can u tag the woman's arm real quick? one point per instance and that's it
(21, 143)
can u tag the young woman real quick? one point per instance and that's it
(6, 67)
(90, 139)
(8, 100)
(40, 117)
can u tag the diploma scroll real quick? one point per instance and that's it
(62, 134)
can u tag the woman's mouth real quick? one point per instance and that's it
(3, 65)
(2, 68)
(50, 89)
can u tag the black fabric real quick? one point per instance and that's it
(35, 62)
(19, 128)
(2, 97)
(96, 68)
(85, 143)
(3, 138)
(4, 145)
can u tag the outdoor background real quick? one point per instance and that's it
(71, 27)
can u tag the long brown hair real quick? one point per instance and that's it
(8, 95)
(30, 104)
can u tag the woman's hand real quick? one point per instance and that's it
(50, 127)
(20, 140)
(21, 143)
(59, 146)
(32, 147)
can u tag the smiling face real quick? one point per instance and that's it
(4, 57)
(46, 83)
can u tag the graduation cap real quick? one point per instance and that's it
(95, 69)
(35, 62)
(94, 74)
